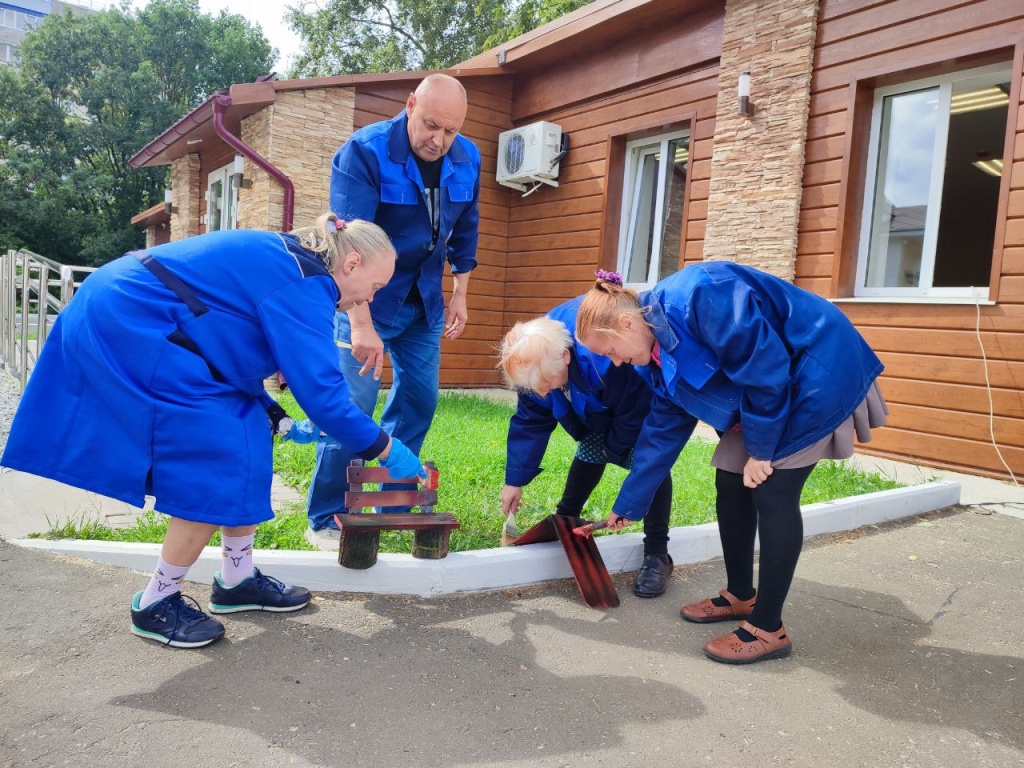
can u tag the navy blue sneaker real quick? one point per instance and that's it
(257, 593)
(174, 622)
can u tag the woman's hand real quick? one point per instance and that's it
(617, 522)
(755, 472)
(511, 496)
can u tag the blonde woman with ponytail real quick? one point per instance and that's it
(781, 375)
(151, 383)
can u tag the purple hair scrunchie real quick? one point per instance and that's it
(609, 277)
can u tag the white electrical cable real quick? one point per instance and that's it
(988, 389)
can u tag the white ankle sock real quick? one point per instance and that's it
(237, 559)
(166, 581)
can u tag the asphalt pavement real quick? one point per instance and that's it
(907, 653)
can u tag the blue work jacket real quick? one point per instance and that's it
(741, 347)
(603, 399)
(374, 177)
(136, 393)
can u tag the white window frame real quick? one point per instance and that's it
(229, 208)
(636, 151)
(989, 75)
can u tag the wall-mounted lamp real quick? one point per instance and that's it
(168, 208)
(237, 178)
(746, 105)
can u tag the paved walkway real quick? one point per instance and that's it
(907, 653)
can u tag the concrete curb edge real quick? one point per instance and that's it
(508, 568)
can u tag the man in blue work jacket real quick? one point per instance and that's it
(419, 180)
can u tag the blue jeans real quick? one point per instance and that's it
(415, 352)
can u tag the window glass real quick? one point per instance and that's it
(652, 211)
(221, 200)
(934, 176)
(215, 206)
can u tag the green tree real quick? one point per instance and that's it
(351, 36)
(89, 92)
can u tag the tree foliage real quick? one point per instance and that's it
(352, 36)
(89, 92)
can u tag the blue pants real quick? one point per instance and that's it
(415, 352)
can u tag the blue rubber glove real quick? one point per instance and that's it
(302, 432)
(402, 463)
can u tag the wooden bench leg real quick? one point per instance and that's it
(431, 545)
(358, 549)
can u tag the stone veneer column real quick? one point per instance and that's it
(299, 134)
(757, 164)
(185, 197)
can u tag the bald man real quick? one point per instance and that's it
(419, 179)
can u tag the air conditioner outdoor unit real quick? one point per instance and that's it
(530, 153)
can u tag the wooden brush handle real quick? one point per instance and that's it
(589, 528)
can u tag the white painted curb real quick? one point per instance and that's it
(510, 567)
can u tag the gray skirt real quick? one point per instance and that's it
(731, 454)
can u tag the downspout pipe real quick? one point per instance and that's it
(221, 102)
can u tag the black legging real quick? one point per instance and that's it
(583, 478)
(773, 511)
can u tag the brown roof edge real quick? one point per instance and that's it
(340, 81)
(151, 217)
(242, 94)
(195, 118)
(582, 18)
(587, 24)
(253, 95)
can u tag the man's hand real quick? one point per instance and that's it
(511, 496)
(367, 347)
(456, 315)
(755, 472)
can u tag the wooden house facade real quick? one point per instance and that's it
(870, 169)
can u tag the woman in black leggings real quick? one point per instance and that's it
(783, 377)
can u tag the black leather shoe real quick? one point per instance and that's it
(652, 578)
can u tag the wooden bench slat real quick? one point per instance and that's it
(376, 475)
(361, 499)
(397, 521)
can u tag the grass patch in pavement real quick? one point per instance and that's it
(467, 442)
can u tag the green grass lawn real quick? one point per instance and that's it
(467, 443)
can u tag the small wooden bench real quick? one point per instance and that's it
(360, 532)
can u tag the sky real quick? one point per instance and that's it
(269, 14)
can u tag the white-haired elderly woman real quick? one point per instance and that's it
(599, 405)
(152, 383)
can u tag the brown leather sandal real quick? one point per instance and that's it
(706, 612)
(729, 649)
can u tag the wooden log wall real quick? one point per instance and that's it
(937, 382)
(469, 360)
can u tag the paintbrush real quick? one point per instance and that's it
(586, 531)
(509, 531)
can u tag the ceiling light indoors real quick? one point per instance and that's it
(981, 98)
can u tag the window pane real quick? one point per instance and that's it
(231, 204)
(642, 225)
(970, 192)
(215, 205)
(675, 196)
(902, 188)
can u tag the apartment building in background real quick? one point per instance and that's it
(16, 18)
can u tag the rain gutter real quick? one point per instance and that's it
(221, 102)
